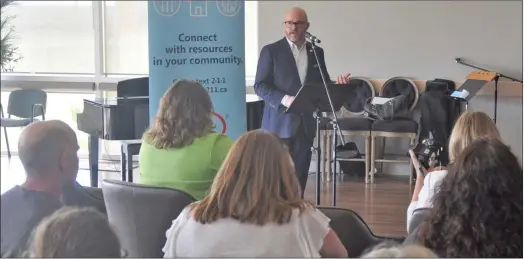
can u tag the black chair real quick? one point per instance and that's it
(402, 128)
(361, 89)
(142, 214)
(354, 233)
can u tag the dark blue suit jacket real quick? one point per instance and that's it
(277, 76)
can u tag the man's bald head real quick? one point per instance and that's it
(46, 147)
(295, 25)
(296, 13)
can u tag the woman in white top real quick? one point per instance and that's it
(470, 126)
(253, 209)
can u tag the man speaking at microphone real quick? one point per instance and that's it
(283, 67)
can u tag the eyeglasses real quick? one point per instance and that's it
(290, 24)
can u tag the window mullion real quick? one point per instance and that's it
(98, 23)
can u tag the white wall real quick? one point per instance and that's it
(417, 39)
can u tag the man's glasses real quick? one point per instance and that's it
(290, 24)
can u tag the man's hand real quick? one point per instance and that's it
(343, 79)
(287, 100)
(417, 166)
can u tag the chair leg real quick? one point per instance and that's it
(7, 143)
(123, 163)
(366, 155)
(325, 150)
(329, 158)
(372, 162)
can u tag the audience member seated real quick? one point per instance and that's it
(477, 212)
(470, 126)
(48, 152)
(181, 150)
(75, 233)
(400, 251)
(254, 209)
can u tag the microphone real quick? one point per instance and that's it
(311, 38)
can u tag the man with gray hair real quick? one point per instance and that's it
(48, 152)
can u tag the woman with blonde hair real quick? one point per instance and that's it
(470, 126)
(181, 150)
(254, 209)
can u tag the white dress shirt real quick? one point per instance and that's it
(301, 61)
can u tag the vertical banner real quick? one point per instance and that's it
(204, 41)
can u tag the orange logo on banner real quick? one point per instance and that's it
(222, 121)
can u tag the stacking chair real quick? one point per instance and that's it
(405, 128)
(352, 125)
(142, 214)
(25, 105)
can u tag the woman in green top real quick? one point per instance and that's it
(181, 150)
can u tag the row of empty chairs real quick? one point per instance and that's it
(357, 125)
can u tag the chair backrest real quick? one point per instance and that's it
(133, 87)
(401, 86)
(351, 229)
(22, 103)
(360, 91)
(142, 214)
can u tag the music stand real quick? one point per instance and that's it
(495, 78)
(312, 98)
(476, 80)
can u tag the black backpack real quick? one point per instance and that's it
(355, 168)
(438, 112)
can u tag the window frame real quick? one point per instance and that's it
(97, 82)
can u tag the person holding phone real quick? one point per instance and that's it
(470, 126)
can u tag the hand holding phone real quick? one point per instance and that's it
(421, 171)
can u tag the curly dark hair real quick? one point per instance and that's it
(477, 212)
(184, 113)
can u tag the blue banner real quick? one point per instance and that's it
(204, 41)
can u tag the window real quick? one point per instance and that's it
(126, 44)
(126, 39)
(53, 36)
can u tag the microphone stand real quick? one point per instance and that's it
(336, 130)
(496, 79)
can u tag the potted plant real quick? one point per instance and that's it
(7, 50)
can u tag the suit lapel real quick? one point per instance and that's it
(288, 57)
(311, 61)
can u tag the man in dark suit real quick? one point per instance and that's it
(283, 67)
